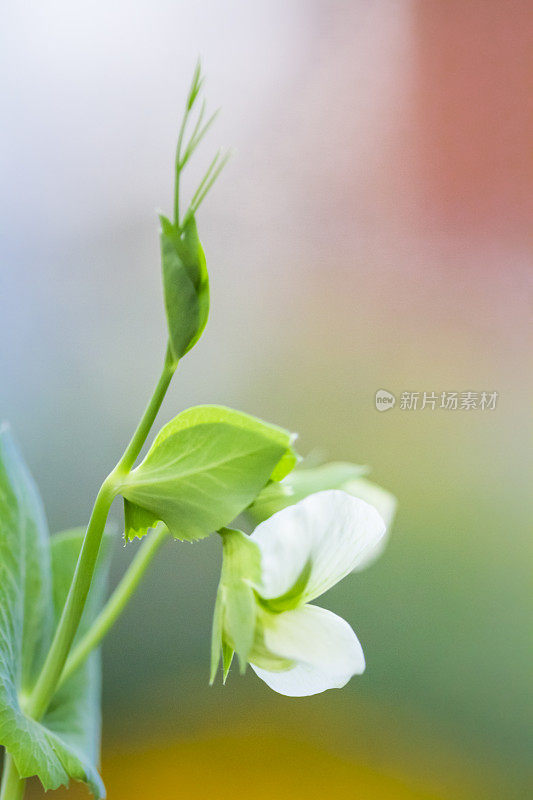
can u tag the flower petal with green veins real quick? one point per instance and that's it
(324, 649)
(331, 530)
(203, 469)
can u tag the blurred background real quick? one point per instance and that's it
(370, 233)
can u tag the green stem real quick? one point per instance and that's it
(68, 624)
(12, 785)
(70, 618)
(143, 428)
(117, 602)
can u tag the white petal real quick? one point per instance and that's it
(384, 502)
(326, 651)
(331, 530)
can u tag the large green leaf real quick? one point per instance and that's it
(64, 744)
(25, 587)
(202, 470)
(185, 284)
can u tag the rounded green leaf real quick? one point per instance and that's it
(203, 469)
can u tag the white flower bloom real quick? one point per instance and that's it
(268, 580)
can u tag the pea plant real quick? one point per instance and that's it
(209, 465)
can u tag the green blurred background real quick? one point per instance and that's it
(369, 233)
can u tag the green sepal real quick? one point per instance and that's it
(219, 647)
(203, 469)
(185, 284)
(227, 657)
(216, 635)
(234, 620)
(35, 574)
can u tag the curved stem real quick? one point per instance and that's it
(12, 785)
(117, 602)
(143, 428)
(75, 603)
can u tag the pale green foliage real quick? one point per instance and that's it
(299, 484)
(202, 470)
(307, 480)
(35, 573)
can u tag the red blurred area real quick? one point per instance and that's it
(473, 114)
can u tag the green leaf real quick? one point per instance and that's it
(235, 608)
(24, 559)
(185, 284)
(301, 483)
(64, 745)
(203, 469)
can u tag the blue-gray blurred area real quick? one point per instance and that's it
(369, 232)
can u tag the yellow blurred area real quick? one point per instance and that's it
(279, 749)
(263, 767)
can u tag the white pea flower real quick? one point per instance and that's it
(263, 610)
